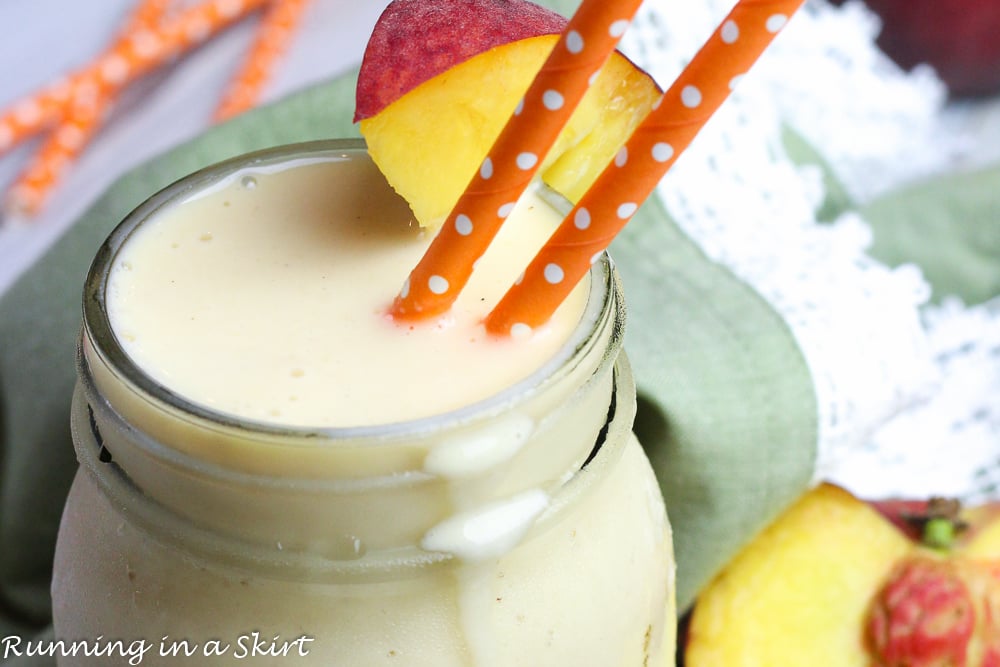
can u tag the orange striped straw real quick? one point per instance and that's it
(583, 47)
(274, 35)
(129, 59)
(638, 167)
(83, 116)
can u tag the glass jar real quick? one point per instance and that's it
(524, 529)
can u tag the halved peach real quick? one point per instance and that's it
(840, 582)
(799, 593)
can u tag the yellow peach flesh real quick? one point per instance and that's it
(798, 593)
(430, 142)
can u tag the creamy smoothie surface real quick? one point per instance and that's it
(265, 296)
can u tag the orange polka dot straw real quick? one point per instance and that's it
(277, 28)
(586, 43)
(28, 193)
(634, 173)
(82, 117)
(129, 59)
(147, 14)
(28, 116)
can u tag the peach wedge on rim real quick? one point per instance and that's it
(440, 78)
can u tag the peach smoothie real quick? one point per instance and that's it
(245, 298)
(273, 468)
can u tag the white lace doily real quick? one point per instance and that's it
(948, 444)
(885, 368)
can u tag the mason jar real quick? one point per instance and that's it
(526, 528)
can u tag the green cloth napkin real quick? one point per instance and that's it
(727, 410)
(949, 227)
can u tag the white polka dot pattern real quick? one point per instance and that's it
(618, 28)
(437, 284)
(662, 151)
(70, 137)
(526, 161)
(626, 210)
(647, 155)
(574, 42)
(463, 225)
(691, 97)
(229, 8)
(552, 100)
(145, 43)
(776, 22)
(115, 70)
(586, 43)
(27, 112)
(729, 32)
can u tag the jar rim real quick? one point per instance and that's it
(604, 302)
